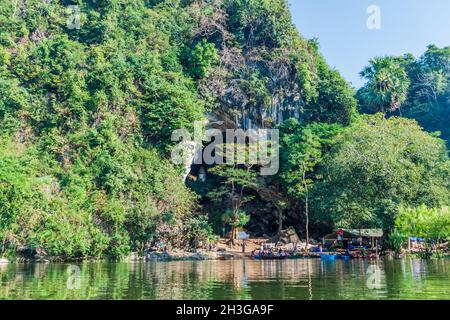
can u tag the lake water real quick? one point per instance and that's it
(240, 279)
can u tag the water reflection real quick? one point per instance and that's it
(241, 279)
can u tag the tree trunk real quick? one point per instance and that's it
(233, 235)
(306, 208)
(307, 222)
(280, 220)
(3, 248)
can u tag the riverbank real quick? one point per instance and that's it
(223, 250)
(179, 255)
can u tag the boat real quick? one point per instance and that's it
(325, 256)
(260, 257)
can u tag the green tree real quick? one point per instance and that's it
(89, 114)
(395, 242)
(302, 149)
(387, 85)
(334, 101)
(236, 181)
(429, 92)
(432, 224)
(376, 165)
(202, 58)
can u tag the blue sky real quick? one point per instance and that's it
(348, 44)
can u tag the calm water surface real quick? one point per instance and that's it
(242, 279)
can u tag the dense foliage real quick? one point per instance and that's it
(424, 222)
(417, 88)
(378, 164)
(432, 225)
(387, 85)
(302, 150)
(86, 117)
(358, 176)
(89, 98)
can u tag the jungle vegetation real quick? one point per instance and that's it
(86, 116)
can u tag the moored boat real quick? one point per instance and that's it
(326, 256)
(261, 257)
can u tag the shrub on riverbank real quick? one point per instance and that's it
(430, 224)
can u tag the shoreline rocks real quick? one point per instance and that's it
(192, 256)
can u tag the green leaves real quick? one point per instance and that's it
(263, 22)
(237, 220)
(235, 175)
(395, 242)
(302, 149)
(14, 105)
(334, 101)
(424, 222)
(410, 87)
(429, 94)
(387, 85)
(88, 116)
(93, 110)
(430, 224)
(378, 164)
(202, 58)
(236, 181)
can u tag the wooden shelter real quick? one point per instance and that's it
(360, 235)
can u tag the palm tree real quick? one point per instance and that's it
(387, 85)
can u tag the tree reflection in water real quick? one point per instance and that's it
(240, 279)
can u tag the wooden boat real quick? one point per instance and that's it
(258, 257)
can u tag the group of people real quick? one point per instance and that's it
(269, 253)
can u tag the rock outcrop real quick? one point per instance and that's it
(285, 237)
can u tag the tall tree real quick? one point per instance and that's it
(303, 148)
(387, 85)
(237, 180)
(429, 95)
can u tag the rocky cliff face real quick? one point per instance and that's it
(266, 72)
